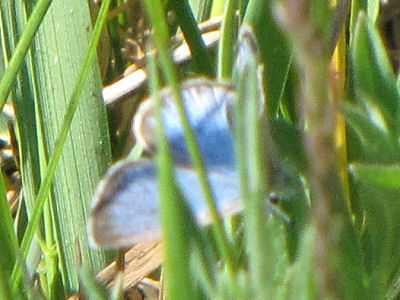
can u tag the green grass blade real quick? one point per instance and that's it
(188, 25)
(371, 64)
(371, 135)
(161, 37)
(86, 153)
(60, 141)
(274, 50)
(5, 286)
(14, 20)
(93, 290)
(21, 49)
(9, 243)
(226, 49)
(217, 8)
(201, 9)
(376, 174)
(255, 213)
(179, 282)
(301, 283)
(254, 183)
(373, 10)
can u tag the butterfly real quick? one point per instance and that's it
(125, 207)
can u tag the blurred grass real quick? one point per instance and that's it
(322, 250)
(75, 215)
(9, 244)
(87, 150)
(228, 40)
(172, 212)
(14, 20)
(254, 184)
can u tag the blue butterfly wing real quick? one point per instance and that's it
(206, 104)
(126, 203)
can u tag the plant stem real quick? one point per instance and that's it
(320, 115)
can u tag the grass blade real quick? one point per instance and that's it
(188, 25)
(21, 49)
(161, 37)
(59, 144)
(9, 243)
(179, 282)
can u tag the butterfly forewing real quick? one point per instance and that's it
(206, 104)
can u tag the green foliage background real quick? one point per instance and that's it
(327, 146)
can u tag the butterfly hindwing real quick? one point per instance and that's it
(126, 206)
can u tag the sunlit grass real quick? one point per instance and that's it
(318, 158)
